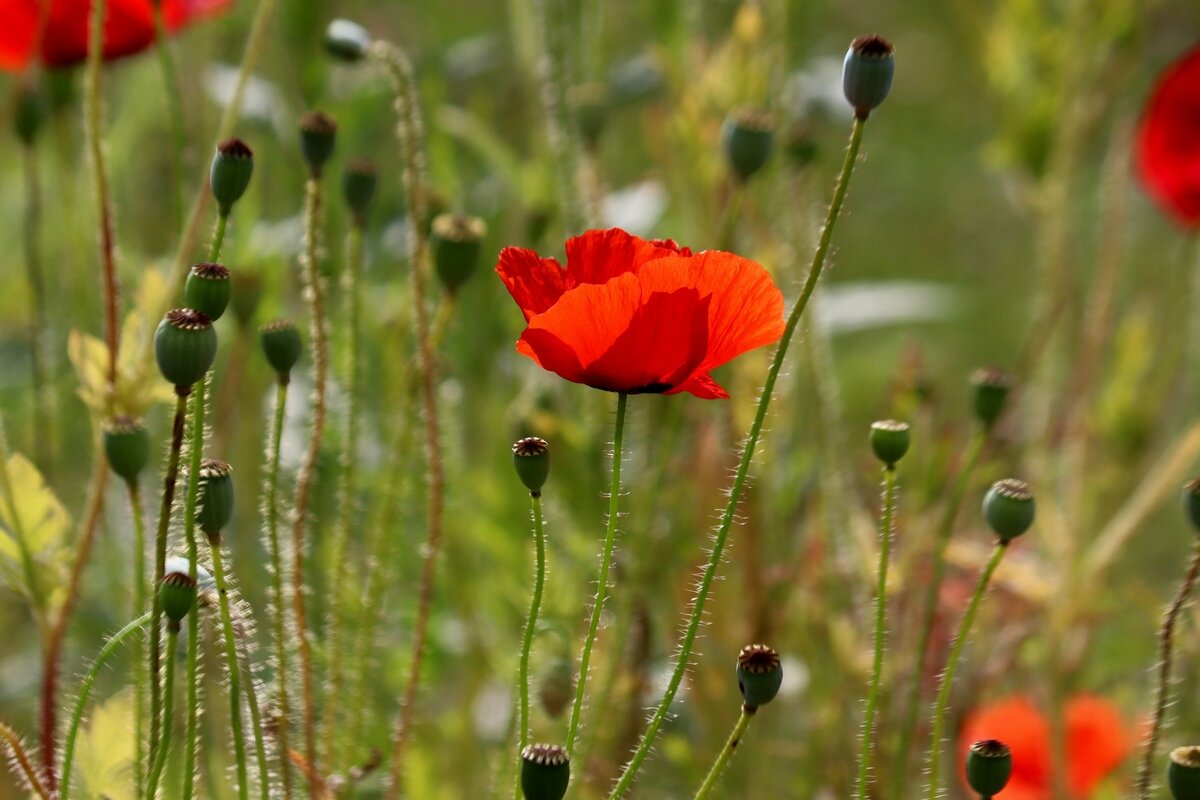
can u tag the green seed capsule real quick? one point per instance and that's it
(207, 289)
(185, 345)
(889, 440)
(318, 134)
(799, 143)
(557, 687)
(1008, 508)
(247, 293)
(215, 503)
(545, 772)
(281, 345)
(759, 675)
(867, 73)
(1183, 773)
(747, 137)
(358, 187)
(1191, 502)
(989, 765)
(229, 175)
(177, 593)
(347, 41)
(531, 457)
(456, 240)
(589, 101)
(991, 391)
(127, 445)
(30, 112)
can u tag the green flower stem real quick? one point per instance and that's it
(947, 679)
(726, 753)
(166, 63)
(535, 604)
(85, 690)
(256, 720)
(231, 659)
(140, 598)
(347, 489)
(21, 758)
(195, 452)
(739, 481)
(39, 326)
(929, 607)
(278, 598)
(170, 478)
(1162, 693)
(610, 537)
(885, 545)
(160, 759)
(214, 252)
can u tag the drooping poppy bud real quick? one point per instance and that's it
(232, 166)
(347, 41)
(1008, 508)
(545, 772)
(185, 345)
(889, 440)
(759, 675)
(207, 289)
(867, 73)
(127, 446)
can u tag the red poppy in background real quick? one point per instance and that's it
(636, 316)
(1168, 146)
(1097, 742)
(56, 31)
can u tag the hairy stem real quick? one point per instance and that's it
(279, 598)
(160, 758)
(140, 598)
(231, 660)
(28, 771)
(731, 744)
(191, 500)
(535, 605)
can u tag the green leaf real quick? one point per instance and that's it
(33, 532)
(104, 755)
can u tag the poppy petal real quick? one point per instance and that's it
(18, 34)
(703, 386)
(599, 256)
(1168, 150)
(536, 283)
(1097, 741)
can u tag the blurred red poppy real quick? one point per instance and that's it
(1097, 742)
(1168, 147)
(56, 31)
(636, 316)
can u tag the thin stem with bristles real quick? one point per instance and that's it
(140, 598)
(947, 679)
(1162, 692)
(250, 689)
(278, 597)
(42, 385)
(22, 758)
(731, 744)
(160, 758)
(191, 501)
(231, 660)
(683, 659)
(885, 544)
(535, 604)
(85, 690)
(214, 250)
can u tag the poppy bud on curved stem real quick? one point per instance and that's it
(867, 73)
(531, 458)
(759, 674)
(229, 175)
(545, 772)
(988, 767)
(347, 41)
(1009, 508)
(889, 440)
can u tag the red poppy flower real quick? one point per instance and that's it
(631, 315)
(1168, 146)
(57, 30)
(1097, 743)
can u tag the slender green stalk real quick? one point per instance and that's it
(535, 604)
(610, 538)
(85, 690)
(947, 679)
(22, 760)
(1162, 693)
(195, 452)
(39, 328)
(731, 744)
(174, 92)
(214, 252)
(278, 598)
(140, 598)
(160, 759)
(929, 607)
(256, 723)
(347, 490)
(885, 545)
(231, 660)
(739, 481)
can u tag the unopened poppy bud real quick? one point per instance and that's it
(991, 390)
(1191, 502)
(232, 166)
(281, 345)
(589, 101)
(989, 765)
(557, 687)
(531, 457)
(347, 41)
(867, 73)
(889, 439)
(318, 134)
(127, 445)
(30, 112)
(185, 345)
(456, 240)
(358, 187)
(1183, 773)
(759, 675)
(1008, 508)
(545, 772)
(204, 578)
(747, 137)
(207, 289)
(216, 496)
(177, 594)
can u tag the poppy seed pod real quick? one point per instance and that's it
(1183, 773)
(1191, 502)
(215, 507)
(589, 102)
(127, 446)
(29, 113)
(358, 187)
(347, 41)
(759, 674)
(557, 687)
(318, 134)
(867, 73)
(1008, 508)
(232, 166)
(545, 772)
(988, 767)
(185, 345)
(889, 440)
(531, 457)
(281, 345)
(456, 241)
(207, 289)
(177, 594)
(246, 296)
(991, 391)
(747, 137)
(800, 143)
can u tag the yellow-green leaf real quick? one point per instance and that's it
(33, 532)
(104, 754)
